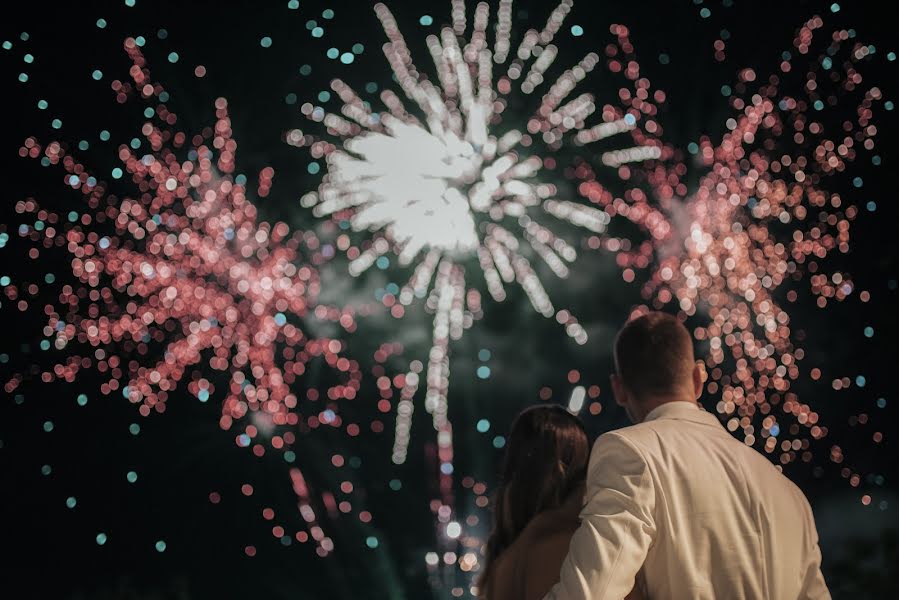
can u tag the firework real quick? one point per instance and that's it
(459, 179)
(186, 270)
(761, 218)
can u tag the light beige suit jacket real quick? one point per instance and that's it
(697, 513)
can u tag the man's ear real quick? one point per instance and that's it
(699, 378)
(618, 390)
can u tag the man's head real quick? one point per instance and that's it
(654, 364)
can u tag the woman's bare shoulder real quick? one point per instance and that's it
(545, 552)
(550, 524)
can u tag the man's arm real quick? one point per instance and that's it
(617, 525)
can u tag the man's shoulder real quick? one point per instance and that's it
(663, 436)
(641, 436)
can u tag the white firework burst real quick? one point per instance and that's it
(447, 182)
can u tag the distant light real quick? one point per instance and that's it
(577, 30)
(834, 8)
(576, 402)
(347, 57)
(371, 541)
(173, 57)
(483, 372)
(101, 538)
(483, 425)
(432, 559)
(453, 530)
(499, 442)
(266, 42)
(426, 20)
(484, 354)
(71, 502)
(160, 546)
(131, 477)
(869, 332)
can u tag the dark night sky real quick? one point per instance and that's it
(180, 457)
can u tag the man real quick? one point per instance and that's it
(678, 500)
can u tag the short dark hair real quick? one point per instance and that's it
(653, 354)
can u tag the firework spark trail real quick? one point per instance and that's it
(759, 219)
(438, 183)
(189, 268)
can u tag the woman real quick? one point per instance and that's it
(536, 507)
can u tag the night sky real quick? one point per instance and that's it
(99, 501)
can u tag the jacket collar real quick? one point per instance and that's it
(683, 411)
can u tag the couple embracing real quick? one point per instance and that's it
(672, 507)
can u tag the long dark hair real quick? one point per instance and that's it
(546, 460)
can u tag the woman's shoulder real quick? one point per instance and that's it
(544, 550)
(551, 524)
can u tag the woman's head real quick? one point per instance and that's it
(546, 460)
